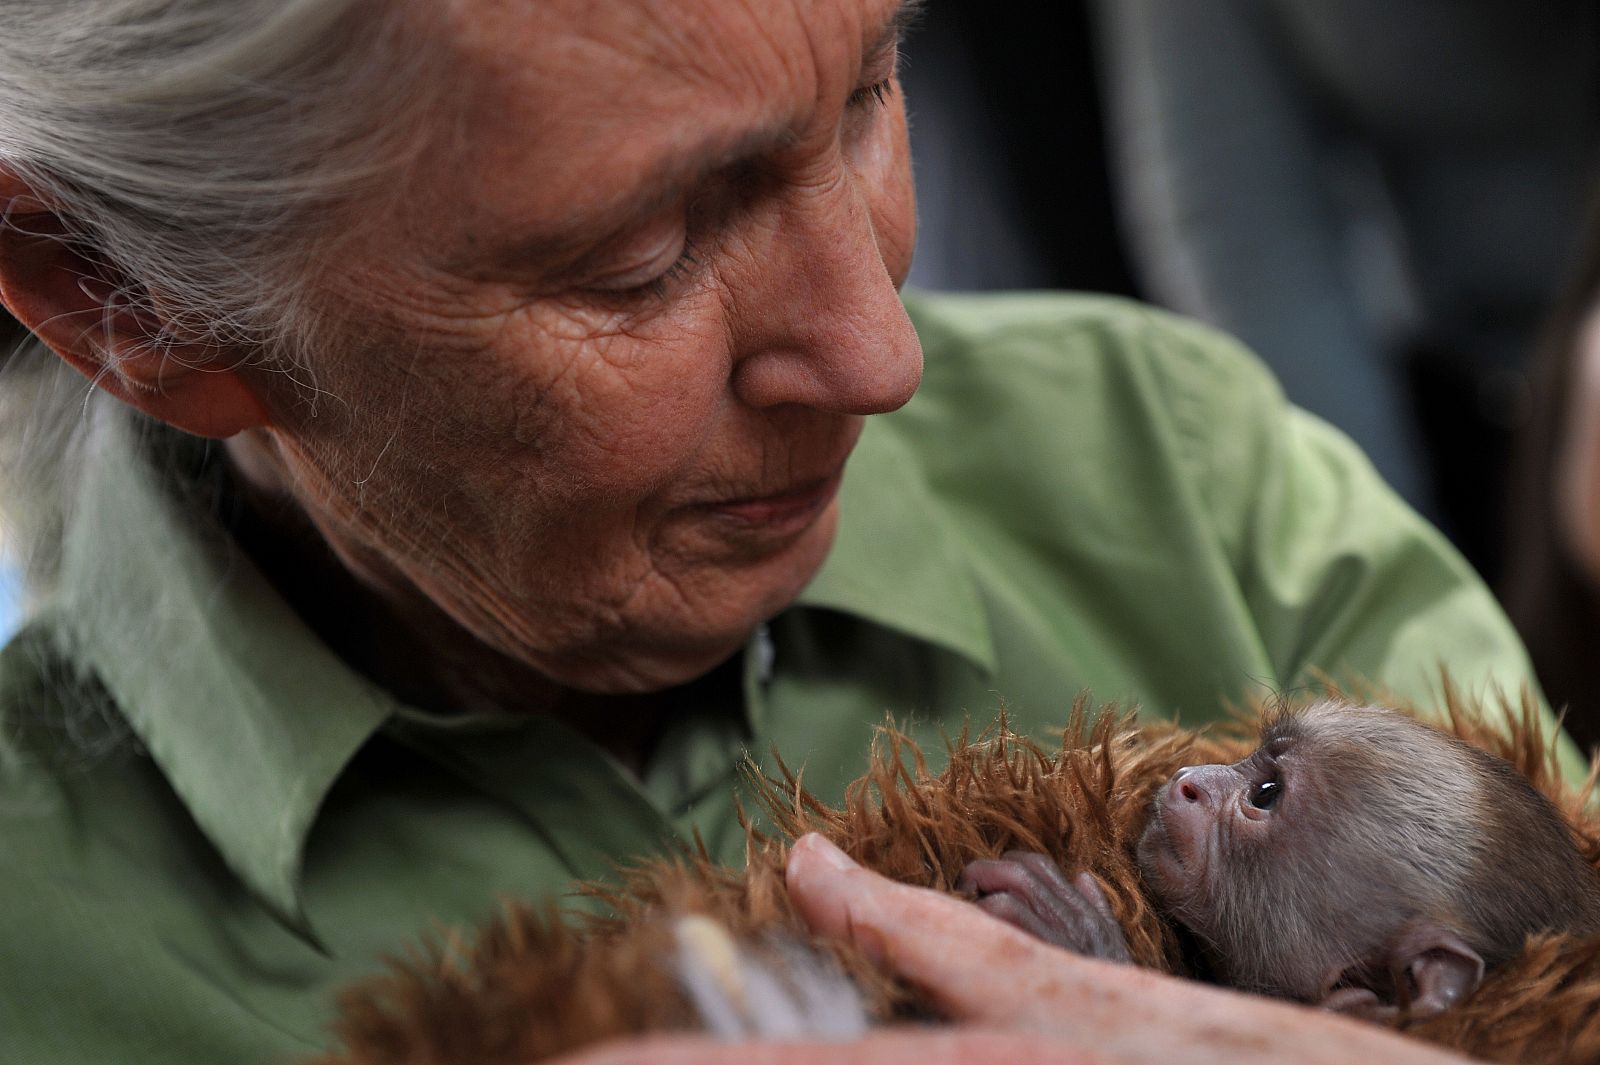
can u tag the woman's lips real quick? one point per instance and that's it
(793, 507)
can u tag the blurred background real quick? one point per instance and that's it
(1381, 197)
(1384, 198)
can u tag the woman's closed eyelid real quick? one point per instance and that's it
(651, 284)
(878, 74)
(875, 94)
(636, 259)
(649, 279)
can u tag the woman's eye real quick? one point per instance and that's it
(1264, 796)
(651, 281)
(872, 95)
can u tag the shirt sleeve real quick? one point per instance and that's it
(88, 977)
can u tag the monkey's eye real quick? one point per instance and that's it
(1264, 796)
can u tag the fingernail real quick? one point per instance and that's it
(822, 850)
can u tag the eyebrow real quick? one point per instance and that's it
(900, 22)
(669, 179)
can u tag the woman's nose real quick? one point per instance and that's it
(820, 321)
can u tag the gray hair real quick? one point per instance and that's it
(201, 148)
(210, 154)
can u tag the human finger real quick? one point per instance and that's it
(982, 971)
(903, 1046)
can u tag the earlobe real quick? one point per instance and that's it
(80, 310)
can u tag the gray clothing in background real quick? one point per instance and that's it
(1349, 184)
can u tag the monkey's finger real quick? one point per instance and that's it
(1026, 896)
(989, 874)
(1013, 911)
(982, 971)
(1089, 889)
(1046, 868)
(1067, 915)
(1105, 934)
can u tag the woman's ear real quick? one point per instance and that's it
(78, 307)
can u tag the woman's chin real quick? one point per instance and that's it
(690, 641)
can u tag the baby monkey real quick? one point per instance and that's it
(1358, 859)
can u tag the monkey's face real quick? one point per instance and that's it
(1206, 819)
(1297, 862)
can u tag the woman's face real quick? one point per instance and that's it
(594, 382)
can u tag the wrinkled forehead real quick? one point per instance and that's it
(566, 92)
(710, 39)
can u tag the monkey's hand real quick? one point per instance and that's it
(1030, 891)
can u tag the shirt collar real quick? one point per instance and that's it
(252, 718)
(895, 559)
(249, 716)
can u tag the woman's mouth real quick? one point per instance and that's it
(793, 507)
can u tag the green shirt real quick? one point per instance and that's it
(208, 823)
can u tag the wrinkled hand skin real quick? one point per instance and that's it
(1012, 998)
(1030, 891)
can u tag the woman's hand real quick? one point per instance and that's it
(1018, 999)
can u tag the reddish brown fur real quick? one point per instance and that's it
(531, 988)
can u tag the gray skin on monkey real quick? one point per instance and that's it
(1358, 860)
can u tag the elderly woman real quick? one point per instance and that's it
(478, 460)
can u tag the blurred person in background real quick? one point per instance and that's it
(1552, 589)
(1380, 198)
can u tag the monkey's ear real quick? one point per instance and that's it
(1439, 966)
(1431, 969)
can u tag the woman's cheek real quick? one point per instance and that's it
(630, 407)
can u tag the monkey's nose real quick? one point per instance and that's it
(1195, 785)
(1184, 789)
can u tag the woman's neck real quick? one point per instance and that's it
(403, 641)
